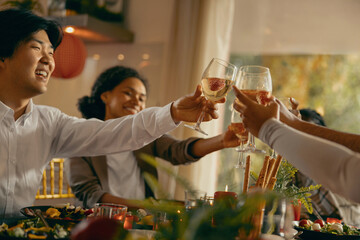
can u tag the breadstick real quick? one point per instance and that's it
(269, 171)
(271, 183)
(246, 175)
(262, 175)
(276, 166)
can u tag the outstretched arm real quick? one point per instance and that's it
(130, 203)
(205, 146)
(330, 164)
(348, 140)
(316, 157)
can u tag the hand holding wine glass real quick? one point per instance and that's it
(255, 82)
(254, 114)
(216, 82)
(189, 107)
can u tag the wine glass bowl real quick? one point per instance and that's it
(216, 82)
(215, 88)
(254, 77)
(237, 126)
(255, 82)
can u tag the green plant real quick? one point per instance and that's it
(285, 186)
(222, 220)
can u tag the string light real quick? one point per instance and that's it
(145, 56)
(121, 57)
(96, 56)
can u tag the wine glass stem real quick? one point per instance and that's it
(240, 160)
(200, 119)
(251, 141)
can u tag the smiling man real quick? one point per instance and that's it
(31, 135)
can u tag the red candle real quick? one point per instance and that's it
(297, 210)
(225, 195)
(226, 198)
(128, 221)
(222, 195)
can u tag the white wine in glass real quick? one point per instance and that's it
(215, 89)
(256, 83)
(237, 126)
(216, 82)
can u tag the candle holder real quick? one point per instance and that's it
(194, 199)
(110, 210)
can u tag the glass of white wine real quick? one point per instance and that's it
(216, 82)
(256, 83)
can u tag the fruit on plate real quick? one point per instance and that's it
(333, 220)
(52, 212)
(320, 222)
(316, 227)
(338, 227)
(332, 227)
(305, 223)
(147, 220)
(67, 212)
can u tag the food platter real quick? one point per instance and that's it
(11, 222)
(310, 234)
(64, 212)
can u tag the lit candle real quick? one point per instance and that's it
(225, 195)
(128, 221)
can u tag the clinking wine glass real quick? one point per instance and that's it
(216, 82)
(237, 126)
(255, 82)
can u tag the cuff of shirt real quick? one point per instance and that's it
(165, 113)
(264, 131)
(190, 159)
(95, 198)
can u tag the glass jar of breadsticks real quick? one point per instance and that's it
(270, 211)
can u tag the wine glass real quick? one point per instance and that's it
(255, 82)
(216, 82)
(237, 126)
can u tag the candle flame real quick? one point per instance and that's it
(69, 29)
(226, 188)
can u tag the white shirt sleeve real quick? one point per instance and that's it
(328, 163)
(93, 137)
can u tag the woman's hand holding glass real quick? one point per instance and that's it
(255, 82)
(189, 108)
(254, 114)
(216, 82)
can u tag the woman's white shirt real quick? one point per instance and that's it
(124, 176)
